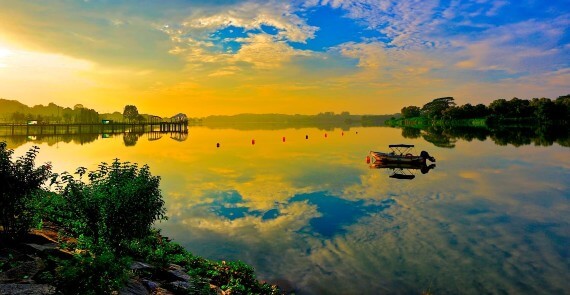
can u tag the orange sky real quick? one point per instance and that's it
(279, 57)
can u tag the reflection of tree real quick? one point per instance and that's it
(408, 132)
(84, 138)
(439, 138)
(542, 135)
(131, 138)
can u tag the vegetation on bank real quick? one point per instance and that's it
(540, 121)
(515, 112)
(105, 217)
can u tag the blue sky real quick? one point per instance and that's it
(252, 56)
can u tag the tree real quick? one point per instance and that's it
(130, 112)
(20, 181)
(410, 111)
(435, 108)
(499, 107)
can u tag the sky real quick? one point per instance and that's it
(204, 57)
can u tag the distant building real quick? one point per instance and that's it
(78, 107)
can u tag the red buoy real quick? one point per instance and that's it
(342, 134)
(283, 138)
(253, 141)
(367, 159)
(326, 135)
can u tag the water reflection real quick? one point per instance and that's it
(403, 171)
(130, 138)
(308, 211)
(447, 136)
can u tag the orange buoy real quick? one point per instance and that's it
(326, 135)
(367, 159)
(342, 134)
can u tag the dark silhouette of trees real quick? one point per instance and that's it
(501, 111)
(435, 108)
(130, 113)
(411, 111)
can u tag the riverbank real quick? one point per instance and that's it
(92, 232)
(45, 261)
(422, 122)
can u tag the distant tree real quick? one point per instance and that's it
(480, 111)
(130, 112)
(86, 116)
(546, 110)
(499, 107)
(519, 108)
(435, 108)
(18, 117)
(563, 103)
(411, 111)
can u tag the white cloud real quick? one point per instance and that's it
(528, 46)
(405, 23)
(195, 40)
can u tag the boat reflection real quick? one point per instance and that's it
(406, 171)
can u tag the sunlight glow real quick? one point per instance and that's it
(5, 52)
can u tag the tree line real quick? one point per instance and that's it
(537, 110)
(16, 112)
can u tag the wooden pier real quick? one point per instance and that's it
(80, 128)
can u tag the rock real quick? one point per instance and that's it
(162, 291)
(217, 290)
(53, 249)
(177, 273)
(180, 286)
(137, 265)
(23, 272)
(152, 286)
(26, 289)
(134, 287)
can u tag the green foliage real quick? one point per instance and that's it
(130, 112)
(119, 203)
(158, 250)
(20, 181)
(411, 111)
(435, 108)
(88, 274)
(234, 275)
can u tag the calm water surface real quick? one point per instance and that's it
(312, 216)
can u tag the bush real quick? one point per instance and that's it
(119, 204)
(20, 181)
(87, 274)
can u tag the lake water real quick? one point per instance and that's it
(311, 215)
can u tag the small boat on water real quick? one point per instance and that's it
(399, 154)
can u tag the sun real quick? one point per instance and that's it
(4, 52)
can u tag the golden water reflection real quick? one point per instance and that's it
(303, 207)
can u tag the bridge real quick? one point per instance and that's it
(176, 124)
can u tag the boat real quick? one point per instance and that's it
(399, 154)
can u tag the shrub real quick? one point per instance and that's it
(20, 181)
(88, 274)
(118, 204)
